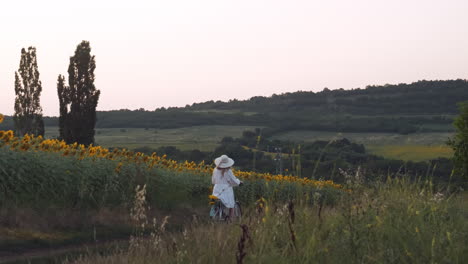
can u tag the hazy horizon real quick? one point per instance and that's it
(152, 54)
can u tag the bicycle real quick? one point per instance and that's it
(219, 212)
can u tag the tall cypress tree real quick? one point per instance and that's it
(64, 100)
(28, 88)
(79, 99)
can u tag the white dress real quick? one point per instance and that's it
(223, 186)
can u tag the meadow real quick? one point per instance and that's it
(54, 194)
(204, 138)
(411, 152)
(414, 146)
(393, 221)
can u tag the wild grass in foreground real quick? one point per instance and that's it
(390, 222)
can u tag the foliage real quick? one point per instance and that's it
(64, 101)
(28, 88)
(318, 160)
(394, 221)
(49, 172)
(367, 139)
(397, 220)
(79, 99)
(403, 108)
(460, 143)
(49, 187)
(423, 106)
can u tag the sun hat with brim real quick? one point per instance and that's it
(223, 162)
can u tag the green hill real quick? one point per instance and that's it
(423, 106)
(404, 108)
(419, 98)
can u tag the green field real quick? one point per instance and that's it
(434, 138)
(416, 147)
(204, 138)
(411, 152)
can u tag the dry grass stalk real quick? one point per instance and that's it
(241, 245)
(292, 217)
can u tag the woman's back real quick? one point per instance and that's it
(224, 176)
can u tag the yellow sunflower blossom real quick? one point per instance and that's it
(119, 166)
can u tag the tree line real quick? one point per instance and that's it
(276, 122)
(424, 106)
(417, 98)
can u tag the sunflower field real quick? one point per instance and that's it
(48, 172)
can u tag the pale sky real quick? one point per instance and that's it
(157, 53)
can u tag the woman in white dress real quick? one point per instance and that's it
(223, 180)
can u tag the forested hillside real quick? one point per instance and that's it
(423, 97)
(403, 108)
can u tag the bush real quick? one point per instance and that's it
(460, 144)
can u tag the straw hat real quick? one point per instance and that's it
(224, 162)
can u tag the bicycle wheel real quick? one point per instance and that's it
(238, 210)
(218, 211)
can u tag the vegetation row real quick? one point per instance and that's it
(38, 171)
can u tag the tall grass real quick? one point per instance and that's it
(395, 221)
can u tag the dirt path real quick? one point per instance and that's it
(57, 252)
(34, 255)
(177, 219)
